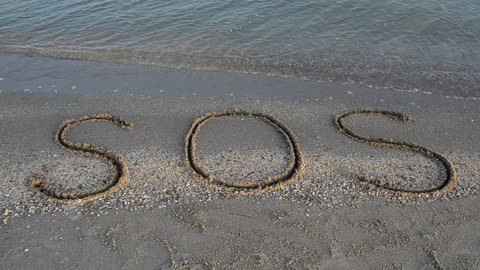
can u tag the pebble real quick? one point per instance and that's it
(159, 184)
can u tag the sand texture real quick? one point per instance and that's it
(230, 171)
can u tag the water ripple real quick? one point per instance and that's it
(356, 40)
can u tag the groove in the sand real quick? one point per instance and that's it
(120, 177)
(292, 172)
(448, 184)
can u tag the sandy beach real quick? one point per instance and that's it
(337, 212)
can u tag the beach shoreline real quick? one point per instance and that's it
(394, 73)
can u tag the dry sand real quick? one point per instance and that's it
(168, 218)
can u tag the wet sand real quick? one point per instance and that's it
(168, 217)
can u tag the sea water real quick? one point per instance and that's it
(428, 45)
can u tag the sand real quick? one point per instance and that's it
(169, 218)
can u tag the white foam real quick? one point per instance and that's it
(462, 98)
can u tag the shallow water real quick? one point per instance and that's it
(432, 45)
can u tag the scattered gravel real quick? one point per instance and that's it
(158, 180)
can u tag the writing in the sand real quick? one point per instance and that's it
(292, 173)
